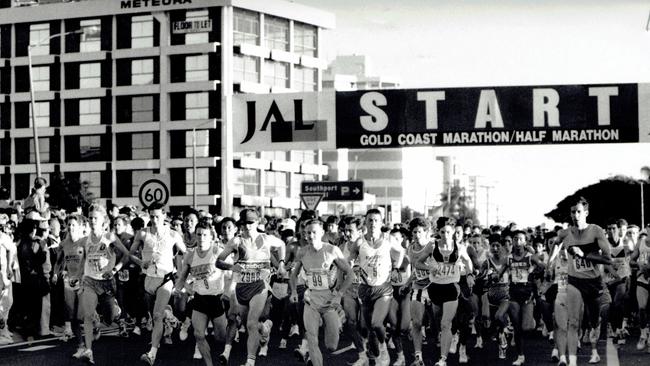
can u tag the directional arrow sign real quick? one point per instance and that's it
(335, 191)
(311, 200)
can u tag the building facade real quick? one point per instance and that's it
(130, 88)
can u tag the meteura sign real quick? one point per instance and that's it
(488, 116)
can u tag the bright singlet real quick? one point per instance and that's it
(100, 258)
(319, 266)
(620, 263)
(448, 267)
(73, 255)
(254, 257)
(159, 250)
(375, 263)
(421, 275)
(208, 279)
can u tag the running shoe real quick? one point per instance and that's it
(479, 342)
(146, 358)
(383, 359)
(555, 355)
(562, 361)
(265, 332)
(441, 363)
(79, 352)
(390, 344)
(643, 338)
(503, 341)
(417, 362)
(136, 330)
(185, 326)
(519, 361)
(87, 356)
(595, 358)
(400, 361)
(454, 344)
(264, 350)
(502, 353)
(197, 355)
(301, 355)
(593, 335)
(462, 354)
(283, 344)
(295, 331)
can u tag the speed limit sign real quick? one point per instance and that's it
(153, 191)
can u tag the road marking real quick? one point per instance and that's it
(344, 349)
(35, 348)
(612, 353)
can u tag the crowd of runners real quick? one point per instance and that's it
(151, 274)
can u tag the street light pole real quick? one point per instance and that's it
(194, 168)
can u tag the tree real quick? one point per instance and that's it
(68, 194)
(610, 199)
(456, 204)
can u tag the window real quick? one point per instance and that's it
(202, 181)
(142, 72)
(304, 156)
(92, 182)
(142, 31)
(305, 39)
(194, 38)
(197, 106)
(275, 155)
(276, 32)
(276, 184)
(142, 109)
(43, 149)
(90, 75)
(41, 114)
(39, 39)
(246, 182)
(89, 112)
(296, 179)
(246, 27)
(246, 68)
(142, 145)
(91, 38)
(276, 74)
(202, 144)
(305, 79)
(137, 177)
(41, 78)
(90, 147)
(196, 68)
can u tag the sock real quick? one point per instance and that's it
(153, 351)
(418, 355)
(573, 360)
(226, 350)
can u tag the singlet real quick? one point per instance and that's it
(254, 258)
(620, 262)
(561, 274)
(228, 276)
(448, 268)
(400, 276)
(644, 259)
(580, 267)
(376, 263)
(492, 268)
(208, 279)
(520, 269)
(353, 263)
(100, 257)
(319, 266)
(421, 275)
(73, 256)
(159, 250)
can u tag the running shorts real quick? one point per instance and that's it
(440, 294)
(246, 291)
(369, 294)
(210, 305)
(420, 295)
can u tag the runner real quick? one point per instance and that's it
(320, 262)
(446, 262)
(420, 236)
(640, 260)
(557, 294)
(617, 277)
(98, 284)
(378, 253)
(399, 315)
(585, 289)
(253, 271)
(208, 286)
(228, 229)
(157, 244)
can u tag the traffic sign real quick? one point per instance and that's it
(335, 191)
(154, 190)
(311, 200)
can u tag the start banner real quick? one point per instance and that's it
(555, 114)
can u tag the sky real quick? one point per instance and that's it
(457, 43)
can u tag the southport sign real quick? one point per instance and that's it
(391, 118)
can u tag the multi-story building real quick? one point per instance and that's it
(123, 87)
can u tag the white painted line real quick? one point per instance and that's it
(35, 348)
(342, 350)
(612, 353)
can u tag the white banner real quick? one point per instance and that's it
(286, 121)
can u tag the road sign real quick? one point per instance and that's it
(311, 200)
(335, 191)
(154, 190)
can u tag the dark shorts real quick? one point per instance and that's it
(497, 294)
(465, 290)
(369, 294)
(440, 294)
(397, 296)
(210, 305)
(107, 306)
(246, 291)
(643, 285)
(521, 293)
(591, 289)
(100, 287)
(551, 294)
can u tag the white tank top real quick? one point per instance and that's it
(159, 250)
(208, 279)
(375, 263)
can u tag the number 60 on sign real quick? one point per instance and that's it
(153, 191)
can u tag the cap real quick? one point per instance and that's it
(287, 224)
(248, 215)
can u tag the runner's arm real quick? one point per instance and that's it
(118, 246)
(138, 241)
(293, 278)
(182, 273)
(343, 265)
(397, 250)
(422, 258)
(229, 249)
(278, 244)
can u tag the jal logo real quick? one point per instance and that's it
(284, 129)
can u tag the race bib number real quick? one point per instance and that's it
(445, 270)
(421, 274)
(562, 281)
(97, 262)
(519, 275)
(280, 290)
(357, 275)
(123, 275)
(582, 265)
(318, 280)
(250, 276)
